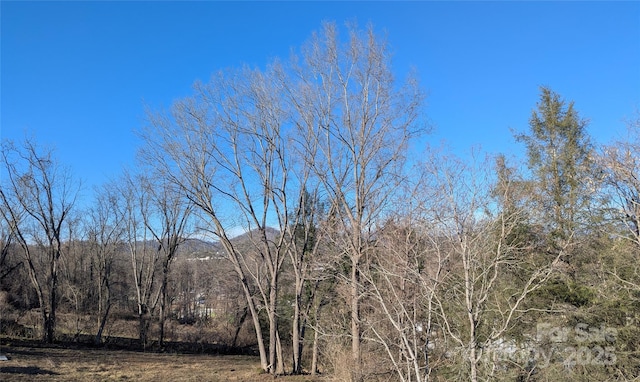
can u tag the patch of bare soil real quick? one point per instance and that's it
(36, 362)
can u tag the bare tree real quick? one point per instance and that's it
(6, 240)
(75, 273)
(225, 148)
(405, 272)
(167, 219)
(492, 271)
(158, 220)
(37, 198)
(620, 164)
(229, 149)
(308, 266)
(355, 122)
(106, 235)
(144, 255)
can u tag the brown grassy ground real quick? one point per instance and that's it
(35, 362)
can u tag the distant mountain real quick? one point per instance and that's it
(201, 249)
(197, 248)
(254, 235)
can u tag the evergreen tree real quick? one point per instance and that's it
(559, 155)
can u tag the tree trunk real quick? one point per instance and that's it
(295, 338)
(280, 359)
(243, 316)
(303, 326)
(143, 325)
(355, 319)
(296, 335)
(104, 305)
(273, 328)
(163, 302)
(256, 323)
(314, 353)
(45, 322)
(50, 324)
(473, 366)
(162, 321)
(103, 323)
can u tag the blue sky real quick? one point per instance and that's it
(77, 75)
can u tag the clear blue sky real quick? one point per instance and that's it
(77, 75)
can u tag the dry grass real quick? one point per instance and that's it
(29, 362)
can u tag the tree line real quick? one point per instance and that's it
(364, 255)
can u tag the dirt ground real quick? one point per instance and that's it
(35, 362)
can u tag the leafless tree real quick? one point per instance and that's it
(6, 240)
(75, 273)
(229, 149)
(106, 236)
(355, 122)
(37, 196)
(620, 166)
(158, 220)
(405, 272)
(308, 264)
(167, 220)
(480, 300)
(226, 149)
(144, 253)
